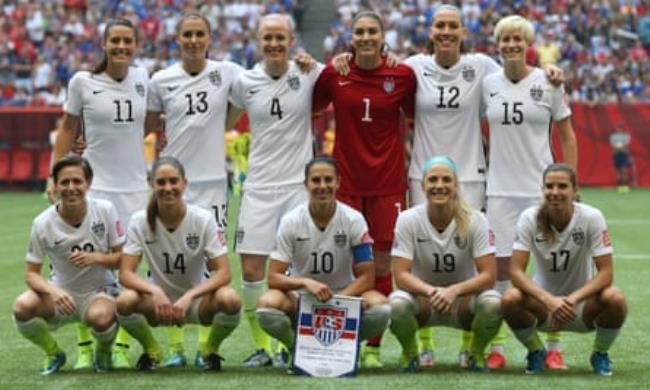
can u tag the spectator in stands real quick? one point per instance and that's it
(619, 140)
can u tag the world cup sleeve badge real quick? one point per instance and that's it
(327, 336)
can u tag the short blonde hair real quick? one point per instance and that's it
(282, 18)
(515, 23)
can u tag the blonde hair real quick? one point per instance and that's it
(282, 18)
(515, 23)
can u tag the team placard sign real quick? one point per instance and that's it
(327, 336)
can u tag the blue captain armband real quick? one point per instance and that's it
(362, 253)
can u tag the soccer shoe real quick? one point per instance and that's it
(146, 363)
(496, 361)
(259, 358)
(53, 363)
(408, 364)
(176, 359)
(535, 361)
(212, 362)
(120, 357)
(84, 358)
(463, 359)
(426, 358)
(281, 359)
(601, 363)
(555, 361)
(199, 362)
(103, 361)
(477, 363)
(370, 357)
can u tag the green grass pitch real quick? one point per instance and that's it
(628, 217)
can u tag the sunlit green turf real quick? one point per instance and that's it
(629, 221)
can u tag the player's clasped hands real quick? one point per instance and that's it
(320, 290)
(442, 299)
(561, 310)
(63, 302)
(84, 259)
(165, 311)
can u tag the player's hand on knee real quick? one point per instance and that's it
(181, 307)
(162, 306)
(442, 299)
(63, 302)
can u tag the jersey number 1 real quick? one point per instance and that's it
(128, 110)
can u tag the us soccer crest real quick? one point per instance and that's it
(215, 78)
(328, 323)
(578, 237)
(461, 243)
(98, 228)
(294, 81)
(468, 73)
(536, 92)
(389, 85)
(192, 241)
(139, 88)
(340, 239)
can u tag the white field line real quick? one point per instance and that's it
(632, 256)
(618, 221)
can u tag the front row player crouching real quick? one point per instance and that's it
(178, 240)
(444, 267)
(564, 294)
(324, 244)
(83, 239)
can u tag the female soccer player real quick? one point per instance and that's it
(83, 239)
(110, 101)
(368, 103)
(444, 265)
(325, 248)
(277, 97)
(521, 105)
(568, 240)
(192, 97)
(179, 241)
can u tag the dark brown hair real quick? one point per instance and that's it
(99, 68)
(152, 206)
(321, 160)
(73, 160)
(543, 215)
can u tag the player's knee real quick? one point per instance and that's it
(229, 300)
(126, 302)
(375, 320)
(271, 299)
(24, 307)
(613, 297)
(400, 306)
(511, 299)
(488, 303)
(100, 316)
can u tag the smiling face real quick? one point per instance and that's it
(72, 185)
(193, 38)
(367, 37)
(439, 185)
(559, 191)
(119, 45)
(513, 46)
(322, 183)
(447, 33)
(168, 185)
(276, 39)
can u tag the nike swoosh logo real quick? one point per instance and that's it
(423, 239)
(57, 242)
(172, 88)
(537, 239)
(253, 91)
(344, 83)
(427, 74)
(493, 94)
(303, 239)
(148, 242)
(98, 92)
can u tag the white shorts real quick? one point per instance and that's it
(577, 325)
(435, 319)
(210, 195)
(503, 214)
(259, 216)
(472, 191)
(82, 301)
(126, 203)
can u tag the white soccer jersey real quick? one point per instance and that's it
(441, 259)
(112, 115)
(565, 264)
(521, 115)
(323, 255)
(280, 119)
(177, 260)
(51, 236)
(447, 113)
(195, 109)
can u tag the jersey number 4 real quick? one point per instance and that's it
(178, 264)
(275, 108)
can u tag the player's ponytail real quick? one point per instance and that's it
(101, 66)
(152, 206)
(543, 219)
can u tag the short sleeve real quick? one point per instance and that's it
(481, 236)
(559, 105)
(525, 233)
(134, 242)
(236, 97)
(283, 250)
(408, 101)
(322, 93)
(36, 249)
(74, 100)
(154, 100)
(403, 240)
(599, 239)
(115, 231)
(213, 238)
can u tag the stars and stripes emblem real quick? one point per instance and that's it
(328, 323)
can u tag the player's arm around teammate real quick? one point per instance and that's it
(83, 239)
(567, 239)
(444, 266)
(326, 246)
(176, 238)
